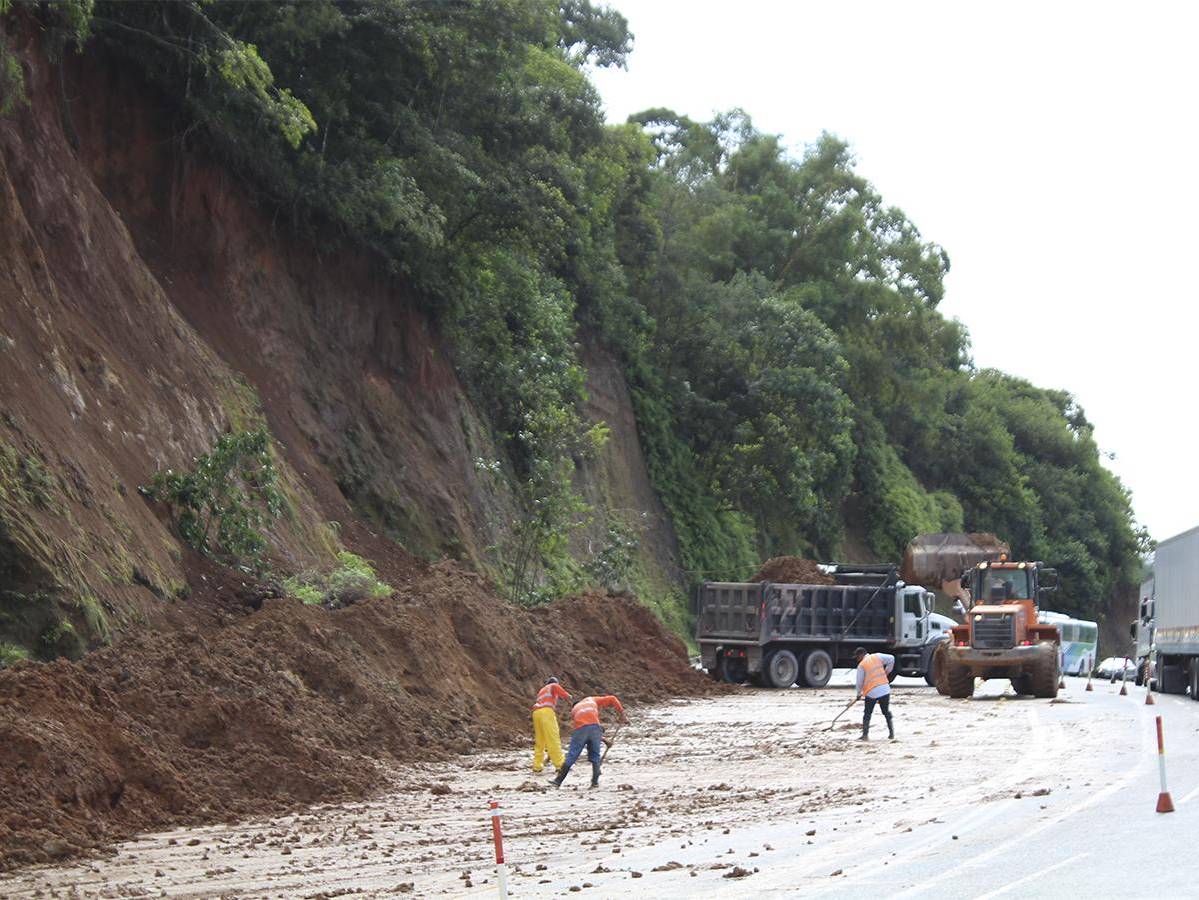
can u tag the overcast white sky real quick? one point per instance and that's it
(1052, 148)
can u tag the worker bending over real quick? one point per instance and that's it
(545, 724)
(588, 733)
(874, 685)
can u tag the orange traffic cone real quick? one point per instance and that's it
(1164, 803)
(1149, 701)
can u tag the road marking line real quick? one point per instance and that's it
(1037, 874)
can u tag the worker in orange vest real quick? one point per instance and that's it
(545, 725)
(875, 686)
(588, 733)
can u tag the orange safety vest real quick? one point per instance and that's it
(875, 673)
(548, 696)
(586, 711)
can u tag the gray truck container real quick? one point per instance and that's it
(1175, 613)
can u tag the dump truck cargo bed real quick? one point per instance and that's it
(815, 612)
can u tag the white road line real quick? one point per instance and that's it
(1191, 796)
(1026, 878)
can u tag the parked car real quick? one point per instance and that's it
(1117, 668)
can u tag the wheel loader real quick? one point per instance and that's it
(997, 599)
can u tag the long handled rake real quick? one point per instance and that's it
(840, 714)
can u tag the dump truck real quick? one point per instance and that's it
(777, 635)
(1171, 615)
(1000, 636)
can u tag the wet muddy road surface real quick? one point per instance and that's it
(723, 797)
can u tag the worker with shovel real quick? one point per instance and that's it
(588, 733)
(545, 725)
(875, 687)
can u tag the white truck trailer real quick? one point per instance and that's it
(1174, 614)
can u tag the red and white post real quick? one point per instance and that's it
(497, 835)
(1164, 803)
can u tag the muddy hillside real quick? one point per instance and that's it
(149, 304)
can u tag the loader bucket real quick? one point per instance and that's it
(935, 559)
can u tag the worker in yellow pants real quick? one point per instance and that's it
(545, 725)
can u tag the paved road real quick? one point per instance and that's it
(750, 793)
(1096, 834)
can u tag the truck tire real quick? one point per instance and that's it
(1195, 679)
(1171, 679)
(1044, 678)
(816, 668)
(782, 668)
(732, 670)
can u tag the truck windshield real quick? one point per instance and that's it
(1005, 584)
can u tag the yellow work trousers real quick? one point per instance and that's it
(545, 739)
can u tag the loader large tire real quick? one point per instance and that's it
(1045, 677)
(957, 679)
(937, 667)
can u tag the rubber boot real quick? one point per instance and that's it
(594, 780)
(890, 729)
(557, 782)
(865, 733)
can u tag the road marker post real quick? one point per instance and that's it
(497, 836)
(1164, 803)
(1089, 688)
(1124, 683)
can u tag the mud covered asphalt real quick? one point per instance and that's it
(700, 796)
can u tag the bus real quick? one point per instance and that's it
(1080, 641)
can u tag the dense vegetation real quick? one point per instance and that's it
(778, 320)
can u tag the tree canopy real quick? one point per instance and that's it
(792, 375)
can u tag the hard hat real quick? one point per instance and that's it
(551, 680)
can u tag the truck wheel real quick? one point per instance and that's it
(732, 669)
(817, 668)
(782, 668)
(1171, 679)
(1195, 679)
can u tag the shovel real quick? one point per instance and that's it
(608, 743)
(840, 714)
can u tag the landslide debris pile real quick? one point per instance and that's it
(232, 714)
(792, 570)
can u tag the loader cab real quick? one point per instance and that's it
(996, 583)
